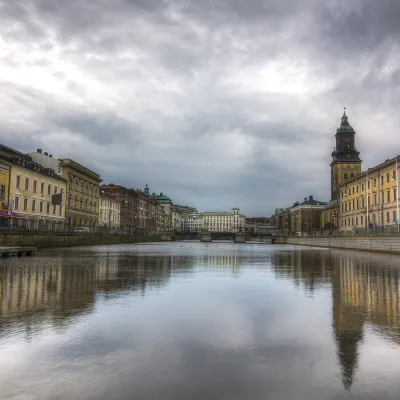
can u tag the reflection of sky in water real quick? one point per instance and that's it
(223, 322)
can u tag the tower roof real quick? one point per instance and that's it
(344, 125)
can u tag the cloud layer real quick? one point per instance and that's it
(219, 104)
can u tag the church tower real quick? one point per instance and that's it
(346, 161)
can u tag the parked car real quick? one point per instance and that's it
(82, 229)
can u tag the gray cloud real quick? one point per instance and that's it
(218, 104)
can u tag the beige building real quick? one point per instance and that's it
(231, 221)
(32, 192)
(370, 199)
(176, 221)
(82, 206)
(109, 212)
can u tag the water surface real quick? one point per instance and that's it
(194, 321)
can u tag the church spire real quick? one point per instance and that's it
(345, 119)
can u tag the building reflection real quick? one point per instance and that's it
(365, 290)
(64, 286)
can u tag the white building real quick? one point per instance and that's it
(231, 221)
(109, 212)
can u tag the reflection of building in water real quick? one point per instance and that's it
(55, 288)
(309, 268)
(363, 291)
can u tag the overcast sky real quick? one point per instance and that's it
(218, 103)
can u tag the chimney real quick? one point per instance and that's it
(46, 153)
(50, 155)
(39, 151)
(311, 198)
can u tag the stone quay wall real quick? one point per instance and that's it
(63, 239)
(390, 244)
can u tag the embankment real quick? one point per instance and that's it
(62, 239)
(373, 243)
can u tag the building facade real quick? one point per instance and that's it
(82, 200)
(109, 212)
(5, 168)
(306, 216)
(231, 221)
(370, 199)
(168, 206)
(36, 193)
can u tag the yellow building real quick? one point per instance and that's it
(4, 185)
(31, 191)
(370, 198)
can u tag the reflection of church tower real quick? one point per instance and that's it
(347, 328)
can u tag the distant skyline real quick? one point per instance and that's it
(216, 104)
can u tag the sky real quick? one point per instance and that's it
(217, 103)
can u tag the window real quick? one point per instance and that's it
(34, 205)
(18, 183)
(26, 183)
(353, 189)
(387, 217)
(345, 207)
(394, 216)
(358, 204)
(387, 177)
(42, 188)
(362, 202)
(394, 175)
(25, 204)
(369, 201)
(388, 196)
(345, 176)
(357, 189)
(369, 185)
(17, 202)
(48, 207)
(362, 187)
(375, 200)
(353, 205)
(382, 180)
(35, 186)
(374, 182)
(60, 211)
(54, 210)
(2, 192)
(55, 189)
(361, 220)
(356, 220)
(395, 194)
(41, 206)
(49, 189)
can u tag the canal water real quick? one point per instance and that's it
(195, 321)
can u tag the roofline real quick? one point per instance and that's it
(371, 170)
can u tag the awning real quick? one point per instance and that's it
(4, 213)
